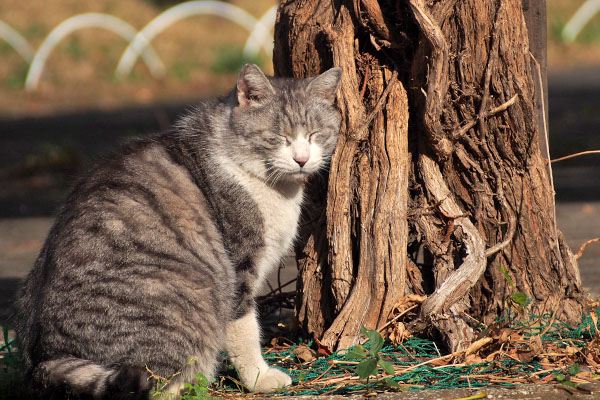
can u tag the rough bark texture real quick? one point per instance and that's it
(353, 261)
(462, 181)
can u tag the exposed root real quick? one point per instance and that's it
(458, 283)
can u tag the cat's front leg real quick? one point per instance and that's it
(243, 349)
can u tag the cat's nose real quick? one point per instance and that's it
(300, 151)
(301, 160)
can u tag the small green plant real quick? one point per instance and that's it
(160, 383)
(370, 359)
(11, 369)
(519, 299)
(565, 378)
(197, 390)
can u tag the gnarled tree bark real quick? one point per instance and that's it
(439, 154)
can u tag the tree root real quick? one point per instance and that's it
(441, 309)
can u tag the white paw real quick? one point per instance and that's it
(269, 380)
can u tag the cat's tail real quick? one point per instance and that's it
(84, 378)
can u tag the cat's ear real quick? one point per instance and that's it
(325, 85)
(252, 86)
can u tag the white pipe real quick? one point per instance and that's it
(181, 11)
(262, 34)
(581, 17)
(81, 21)
(18, 42)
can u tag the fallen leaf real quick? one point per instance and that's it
(397, 333)
(473, 359)
(323, 349)
(478, 345)
(304, 353)
(570, 350)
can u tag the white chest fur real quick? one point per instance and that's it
(280, 210)
(280, 218)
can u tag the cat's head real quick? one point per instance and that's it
(287, 128)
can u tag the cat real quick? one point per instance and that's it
(155, 257)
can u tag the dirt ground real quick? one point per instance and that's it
(529, 392)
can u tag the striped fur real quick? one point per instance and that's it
(156, 255)
(77, 377)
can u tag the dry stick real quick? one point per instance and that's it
(583, 153)
(504, 106)
(398, 316)
(410, 368)
(413, 357)
(336, 362)
(512, 227)
(279, 288)
(313, 381)
(281, 266)
(332, 390)
(583, 246)
(549, 326)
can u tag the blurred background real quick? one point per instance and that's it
(62, 104)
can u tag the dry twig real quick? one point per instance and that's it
(583, 246)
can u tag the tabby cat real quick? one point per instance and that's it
(154, 260)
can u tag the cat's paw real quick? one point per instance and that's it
(269, 380)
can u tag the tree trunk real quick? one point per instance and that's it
(461, 182)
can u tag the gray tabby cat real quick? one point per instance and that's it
(156, 256)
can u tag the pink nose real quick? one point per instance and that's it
(300, 161)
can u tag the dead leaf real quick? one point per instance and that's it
(473, 359)
(504, 335)
(492, 356)
(406, 302)
(323, 349)
(570, 350)
(546, 379)
(279, 344)
(526, 356)
(440, 361)
(304, 353)
(397, 333)
(478, 345)
(535, 343)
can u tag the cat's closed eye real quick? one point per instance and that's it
(313, 135)
(276, 139)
